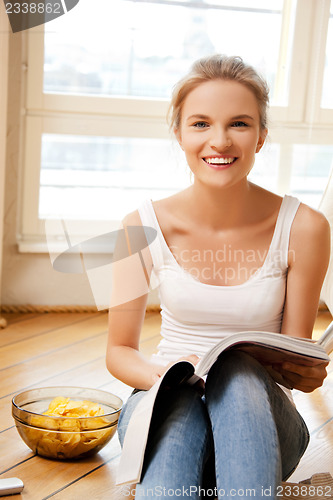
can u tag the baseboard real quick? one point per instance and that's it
(39, 309)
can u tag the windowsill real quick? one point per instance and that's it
(32, 246)
(39, 245)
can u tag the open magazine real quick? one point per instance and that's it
(268, 348)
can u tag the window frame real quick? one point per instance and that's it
(300, 121)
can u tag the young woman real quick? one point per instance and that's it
(229, 256)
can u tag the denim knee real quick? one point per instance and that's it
(235, 365)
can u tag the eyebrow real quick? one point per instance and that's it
(197, 117)
(242, 117)
(205, 117)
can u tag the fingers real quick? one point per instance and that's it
(299, 372)
(193, 358)
(303, 370)
(304, 378)
(156, 377)
(200, 387)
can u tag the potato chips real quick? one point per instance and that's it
(73, 433)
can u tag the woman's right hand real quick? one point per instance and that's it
(192, 358)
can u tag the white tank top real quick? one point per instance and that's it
(195, 315)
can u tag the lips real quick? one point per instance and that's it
(219, 161)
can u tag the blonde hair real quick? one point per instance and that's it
(219, 67)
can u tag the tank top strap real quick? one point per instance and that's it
(148, 219)
(280, 242)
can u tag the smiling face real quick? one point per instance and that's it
(220, 131)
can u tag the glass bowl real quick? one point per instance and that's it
(65, 437)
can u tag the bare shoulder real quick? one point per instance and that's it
(163, 207)
(310, 223)
(133, 237)
(132, 219)
(310, 235)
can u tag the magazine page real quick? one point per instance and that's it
(131, 462)
(268, 348)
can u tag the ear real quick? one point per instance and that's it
(261, 141)
(176, 131)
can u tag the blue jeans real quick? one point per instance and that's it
(241, 439)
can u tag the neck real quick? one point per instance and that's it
(220, 209)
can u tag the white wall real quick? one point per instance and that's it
(28, 278)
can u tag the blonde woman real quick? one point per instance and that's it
(231, 256)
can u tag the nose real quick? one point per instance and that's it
(220, 138)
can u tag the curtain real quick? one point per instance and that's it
(326, 207)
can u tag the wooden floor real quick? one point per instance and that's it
(39, 350)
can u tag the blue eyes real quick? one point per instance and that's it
(202, 125)
(239, 124)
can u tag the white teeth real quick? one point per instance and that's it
(219, 161)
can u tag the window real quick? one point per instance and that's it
(311, 165)
(142, 48)
(98, 85)
(114, 173)
(327, 97)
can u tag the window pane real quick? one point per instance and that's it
(327, 95)
(311, 165)
(105, 178)
(265, 171)
(137, 48)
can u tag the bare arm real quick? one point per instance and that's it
(309, 252)
(126, 315)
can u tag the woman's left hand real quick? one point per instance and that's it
(301, 377)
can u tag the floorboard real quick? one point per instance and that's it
(37, 350)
